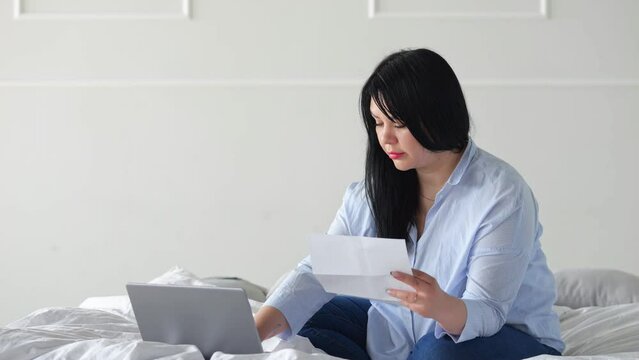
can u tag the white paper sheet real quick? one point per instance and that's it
(359, 266)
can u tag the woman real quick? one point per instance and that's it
(481, 286)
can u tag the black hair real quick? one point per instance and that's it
(418, 89)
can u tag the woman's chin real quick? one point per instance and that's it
(402, 167)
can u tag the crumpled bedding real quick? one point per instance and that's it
(105, 328)
(600, 330)
(75, 333)
(83, 334)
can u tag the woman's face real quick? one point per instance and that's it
(399, 144)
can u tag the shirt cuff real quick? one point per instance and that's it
(298, 299)
(472, 326)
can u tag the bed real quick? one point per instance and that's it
(599, 312)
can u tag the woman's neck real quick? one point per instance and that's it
(433, 178)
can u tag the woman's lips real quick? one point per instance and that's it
(395, 155)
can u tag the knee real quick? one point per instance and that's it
(339, 309)
(321, 319)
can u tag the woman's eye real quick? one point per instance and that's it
(378, 124)
(399, 126)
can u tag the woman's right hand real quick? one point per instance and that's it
(270, 322)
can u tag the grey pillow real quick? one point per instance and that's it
(253, 291)
(595, 287)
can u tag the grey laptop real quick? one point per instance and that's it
(211, 318)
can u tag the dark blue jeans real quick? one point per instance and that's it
(339, 328)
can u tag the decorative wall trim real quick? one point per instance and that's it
(183, 14)
(552, 82)
(310, 82)
(542, 13)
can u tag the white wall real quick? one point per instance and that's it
(134, 137)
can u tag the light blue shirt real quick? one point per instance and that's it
(481, 243)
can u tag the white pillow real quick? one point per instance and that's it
(578, 288)
(121, 305)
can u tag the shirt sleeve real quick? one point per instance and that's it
(301, 295)
(497, 265)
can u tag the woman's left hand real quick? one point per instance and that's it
(428, 299)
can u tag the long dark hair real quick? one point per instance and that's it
(418, 89)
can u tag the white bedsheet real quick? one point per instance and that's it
(74, 333)
(594, 333)
(105, 328)
(82, 334)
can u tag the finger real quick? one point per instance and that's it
(409, 280)
(407, 296)
(423, 276)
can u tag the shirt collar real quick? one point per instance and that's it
(461, 167)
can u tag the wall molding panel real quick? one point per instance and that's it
(541, 12)
(173, 9)
(310, 82)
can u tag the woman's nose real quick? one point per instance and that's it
(387, 135)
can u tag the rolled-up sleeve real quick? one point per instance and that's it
(496, 268)
(298, 297)
(301, 295)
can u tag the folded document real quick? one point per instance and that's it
(359, 266)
